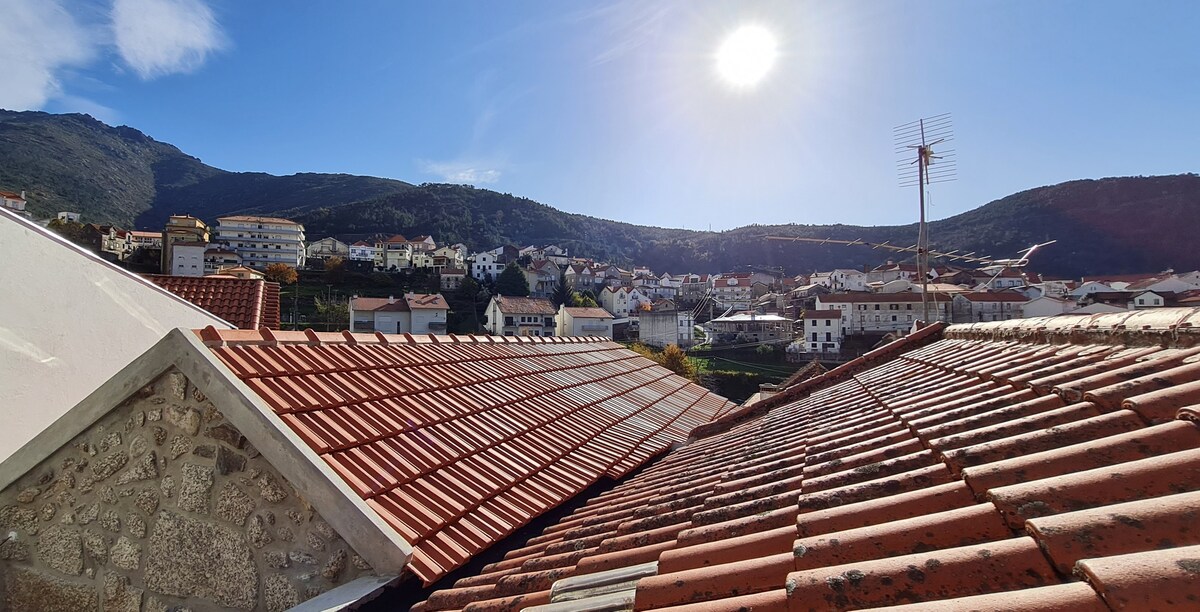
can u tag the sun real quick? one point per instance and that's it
(746, 56)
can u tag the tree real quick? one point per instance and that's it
(335, 270)
(281, 273)
(334, 313)
(674, 359)
(512, 282)
(562, 293)
(583, 300)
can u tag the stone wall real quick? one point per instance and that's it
(163, 505)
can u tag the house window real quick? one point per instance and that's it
(893, 317)
(908, 306)
(828, 322)
(508, 321)
(877, 308)
(828, 337)
(893, 307)
(814, 337)
(1141, 302)
(910, 318)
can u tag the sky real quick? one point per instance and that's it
(617, 109)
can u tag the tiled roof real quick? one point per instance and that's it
(246, 303)
(456, 442)
(1041, 464)
(428, 301)
(586, 312)
(822, 314)
(994, 296)
(855, 297)
(524, 305)
(387, 304)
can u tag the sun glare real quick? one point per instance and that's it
(746, 56)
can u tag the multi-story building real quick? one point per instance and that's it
(395, 253)
(182, 229)
(881, 313)
(217, 258)
(363, 251)
(976, 306)
(187, 259)
(417, 313)
(666, 324)
(733, 291)
(822, 331)
(262, 241)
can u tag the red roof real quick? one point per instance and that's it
(902, 297)
(1051, 463)
(254, 219)
(246, 303)
(387, 304)
(10, 195)
(456, 442)
(426, 301)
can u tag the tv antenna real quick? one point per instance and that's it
(917, 139)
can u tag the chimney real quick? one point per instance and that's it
(391, 299)
(22, 194)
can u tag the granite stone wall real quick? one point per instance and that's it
(163, 505)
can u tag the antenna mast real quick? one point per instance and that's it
(919, 137)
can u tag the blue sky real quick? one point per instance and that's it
(615, 110)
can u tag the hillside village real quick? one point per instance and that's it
(831, 315)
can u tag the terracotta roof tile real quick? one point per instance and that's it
(457, 442)
(246, 303)
(990, 469)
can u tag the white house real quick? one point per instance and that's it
(395, 252)
(486, 265)
(326, 248)
(413, 313)
(864, 313)
(362, 251)
(665, 324)
(217, 258)
(543, 277)
(733, 290)
(1146, 299)
(1046, 306)
(584, 321)
(1090, 287)
(520, 316)
(822, 331)
(841, 279)
(621, 300)
(15, 203)
(977, 306)
(262, 241)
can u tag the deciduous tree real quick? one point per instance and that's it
(281, 273)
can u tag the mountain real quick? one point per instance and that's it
(119, 175)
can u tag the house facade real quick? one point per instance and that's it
(411, 313)
(262, 241)
(822, 331)
(882, 313)
(979, 306)
(326, 248)
(521, 316)
(584, 321)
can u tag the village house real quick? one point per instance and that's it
(882, 313)
(363, 251)
(520, 316)
(14, 203)
(415, 313)
(584, 321)
(326, 248)
(822, 331)
(217, 257)
(977, 306)
(542, 276)
(394, 253)
(1047, 306)
(841, 279)
(621, 300)
(452, 278)
(733, 290)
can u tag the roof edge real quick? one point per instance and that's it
(212, 337)
(746, 412)
(366, 532)
(1169, 327)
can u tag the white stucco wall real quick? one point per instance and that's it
(70, 321)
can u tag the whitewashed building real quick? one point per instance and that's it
(262, 241)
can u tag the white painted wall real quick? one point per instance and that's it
(70, 322)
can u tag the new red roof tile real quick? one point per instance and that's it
(246, 303)
(457, 442)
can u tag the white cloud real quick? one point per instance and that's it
(161, 37)
(455, 172)
(40, 40)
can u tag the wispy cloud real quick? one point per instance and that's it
(633, 25)
(161, 37)
(40, 40)
(461, 172)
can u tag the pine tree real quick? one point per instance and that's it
(512, 282)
